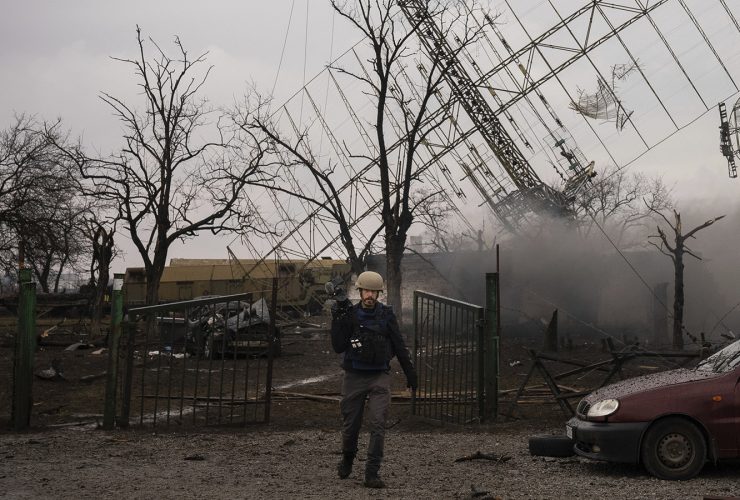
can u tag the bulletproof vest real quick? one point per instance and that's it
(370, 342)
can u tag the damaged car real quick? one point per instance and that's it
(231, 329)
(671, 422)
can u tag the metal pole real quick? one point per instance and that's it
(270, 354)
(123, 420)
(416, 347)
(109, 413)
(498, 295)
(492, 354)
(25, 347)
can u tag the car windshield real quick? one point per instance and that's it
(723, 360)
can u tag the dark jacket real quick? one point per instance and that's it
(343, 324)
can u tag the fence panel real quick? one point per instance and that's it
(448, 354)
(200, 362)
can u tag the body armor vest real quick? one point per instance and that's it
(370, 344)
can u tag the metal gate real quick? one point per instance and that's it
(449, 340)
(199, 362)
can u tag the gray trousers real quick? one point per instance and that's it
(356, 387)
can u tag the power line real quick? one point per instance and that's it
(282, 52)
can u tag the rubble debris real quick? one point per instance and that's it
(477, 494)
(604, 104)
(95, 376)
(231, 327)
(55, 372)
(78, 345)
(484, 456)
(311, 397)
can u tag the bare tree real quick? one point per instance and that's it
(39, 201)
(54, 240)
(621, 202)
(392, 51)
(676, 253)
(22, 153)
(443, 235)
(177, 174)
(254, 119)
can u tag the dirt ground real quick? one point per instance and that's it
(65, 455)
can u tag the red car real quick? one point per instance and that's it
(670, 422)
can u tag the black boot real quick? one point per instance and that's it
(372, 480)
(344, 468)
(374, 459)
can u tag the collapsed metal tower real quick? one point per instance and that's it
(505, 137)
(729, 136)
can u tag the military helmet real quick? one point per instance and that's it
(369, 280)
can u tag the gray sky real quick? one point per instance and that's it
(56, 60)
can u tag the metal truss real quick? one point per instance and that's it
(504, 130)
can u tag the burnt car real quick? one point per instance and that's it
(231, 329)
(670, 422)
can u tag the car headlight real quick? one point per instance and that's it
(603, 408)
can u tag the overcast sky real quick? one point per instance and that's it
(56, 59)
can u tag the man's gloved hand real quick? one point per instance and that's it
(340, 308)
(412, 380)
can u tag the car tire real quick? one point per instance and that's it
(551, 446)
(673, 449)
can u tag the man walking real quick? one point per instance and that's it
(368, 336)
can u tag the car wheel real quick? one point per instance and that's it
(551, 446)
(673, 448)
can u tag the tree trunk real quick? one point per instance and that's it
(153, 275)
(678, 299)
(394, 254)
(103, 253)
(42, 275)
(62, 265)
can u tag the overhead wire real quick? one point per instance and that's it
(621, 167)
(305, 59)
(282, 52)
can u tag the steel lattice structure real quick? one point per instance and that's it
(511, 140)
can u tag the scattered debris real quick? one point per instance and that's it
(168, 353)
(514, 363)
(481, 494)
(195, 457)
(289, 442)
(46, 332)
(301, 395)
(52, 411)
(230, 328)
(79, 345)
(55, 372)
(604, 103)
(95, 376)
(484, 456)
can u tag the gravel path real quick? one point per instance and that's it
(75, 463)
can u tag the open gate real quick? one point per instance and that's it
(449, 354)
(199, 362)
